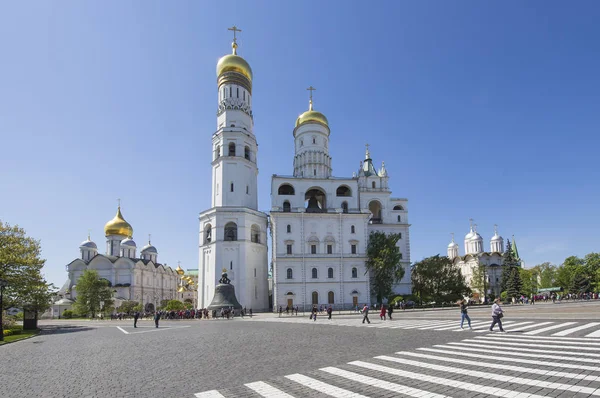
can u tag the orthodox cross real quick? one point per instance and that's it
(234, 29)
(452, 233)
(119, 202)
(495, 229)
(471, 222)
(89, 232)
(149, 238)
(311, 89)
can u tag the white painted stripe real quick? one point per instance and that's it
(567, 339)
(560, 325)
(576, 329)
(265, 390)
(502, 367)
(505, 358)
(440, 380)
(323, 387)
(413, 325)
(504, 342)
(449, 323)
(491, 376)
(122, 330)
(520, 353)
(457, 325)
(535, 325)
(483, 329)
(538, 339)
(501, 348)
(209, 394)
(594, 334)
(384, 385)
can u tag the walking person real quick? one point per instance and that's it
(463, 313)
(497, 315)
(382, 313)
(156, 318)
(314, 313)
(329, 312)
(390, 311)
(136, 316)
(366, 314)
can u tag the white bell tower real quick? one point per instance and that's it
(233, 233)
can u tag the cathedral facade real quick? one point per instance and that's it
(140, 278)
(320, 224)
(233, 233)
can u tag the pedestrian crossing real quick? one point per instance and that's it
(490, 365)
(520, 326)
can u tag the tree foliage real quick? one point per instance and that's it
(530, 281)
(20, 267)
(478, 279)
(174, 305)
(514, 283)
(91, 290)
(438, 279)
(127, 306)
(546, 275)
(509, 262)
(384, 262)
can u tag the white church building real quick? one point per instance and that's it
(320, 224)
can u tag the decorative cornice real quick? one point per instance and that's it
(235, 104)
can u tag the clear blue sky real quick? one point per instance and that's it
(483, 110)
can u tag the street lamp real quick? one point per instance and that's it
(3, 284)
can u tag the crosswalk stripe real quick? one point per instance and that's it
(560, 325)
(521, 349)
(457, 325)
(512, 343)
(323, 387)
(490, 376)
(209, 394)
(503, 367)
(439, 380)
(506, 358)
(535, 325)
(266, 390)
(436, 323)
(538, 339)
(449, 323)
(519, 353)
(512, 325)
(384, 385)
(576, 329)
(594, 334)
(566, 339)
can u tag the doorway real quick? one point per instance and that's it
(290, 303)
(354, 301)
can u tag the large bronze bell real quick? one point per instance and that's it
(224, 295)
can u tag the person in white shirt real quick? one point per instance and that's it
(497, 314)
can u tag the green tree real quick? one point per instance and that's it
(479, 280)
(529, 281)
(580, 283)
(127, 306)
(383, 260)
(514, 284)
(438, 279)
(174, 305)
(567, 271)
(20, 267)
(91, 290)
(546, 274)
(509, 262)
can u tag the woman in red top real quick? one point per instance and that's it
(382, 313)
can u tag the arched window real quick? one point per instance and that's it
(315, 273)
(399, 219)
(230, 231)
(352, 229)
(286, 189)
(375, 209)
(289, 229)
(315, 200)
(207, 233)
(290, 273)
(373, 184)
(330, 297)
(315, 298)
(398, 207)
(255, 233)
(330, 273)
(344, 207)
(354, 272)
(232, 149)
(231, 187)
(343, 190)
(247, 152)
(286, 207)
(217, 152)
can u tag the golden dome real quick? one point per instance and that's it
(179, 270)
(234, 63)
(311, 116)
(118, 226)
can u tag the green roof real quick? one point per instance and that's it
(193, 272)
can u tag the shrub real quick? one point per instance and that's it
(8, 322)
(67, 314)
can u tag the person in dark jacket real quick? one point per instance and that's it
(136, 316)
(156, 318)
(463, 313)
(329, 312)
(390, 311)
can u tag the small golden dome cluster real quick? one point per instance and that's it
(118, 226)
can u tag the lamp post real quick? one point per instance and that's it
(3, 284)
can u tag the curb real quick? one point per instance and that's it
(39, 331)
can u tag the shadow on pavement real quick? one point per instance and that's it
(59, 329)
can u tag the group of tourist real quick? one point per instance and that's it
(497, 315)
(203, 313)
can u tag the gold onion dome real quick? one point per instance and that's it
(118, 226)
(231, 65)
(312, 116)
(180, 270)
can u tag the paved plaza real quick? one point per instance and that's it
(549, 350)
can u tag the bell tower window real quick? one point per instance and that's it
(232, 149)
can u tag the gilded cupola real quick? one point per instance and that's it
(312, 116)
(233, 69)
(118, 226)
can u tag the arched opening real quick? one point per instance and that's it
(208, 233)
(290, 273)
(330, 297)
(286, 207)
(217, 152)
(247, 152)
(315, 273)
(315, 201)
(330, 273)
(286, 189)
(375, 209)
(255, 233)
(315, 298)
(354, 272)
(352, 229)
(344, 207)
(343, 191)
(231, 149)
(149, 307)
(398, 207)
(399, 218)
(373, 185)
(230, 231)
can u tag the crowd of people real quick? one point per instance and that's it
(202, 313)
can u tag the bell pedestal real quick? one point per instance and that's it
(224, 298)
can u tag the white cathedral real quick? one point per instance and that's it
(319, 223)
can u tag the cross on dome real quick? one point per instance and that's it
(367, 153)
(310, 102)
(234, 45)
